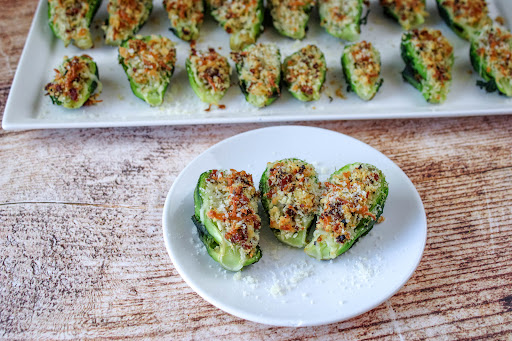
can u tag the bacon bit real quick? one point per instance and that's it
(222, 106)
(209, 107)
(500, 20)
(381, 219)
(73, 94)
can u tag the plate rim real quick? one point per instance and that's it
(258, 318)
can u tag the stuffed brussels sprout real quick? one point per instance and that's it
(259, 72)
(408, 13)
(125, 19)
(70, 20)
(304, 73)
(242, 19)
(290, 17)
(149, 64)
(186, 17)
(464, 17)
(491, 56)
(353, 200)
(209, 74)
(289, 191)
(428, 58)
(75, 82)
(341, 18)
(361, 67)
(226, 217)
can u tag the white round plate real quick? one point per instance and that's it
(287, 287)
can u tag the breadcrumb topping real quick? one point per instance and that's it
(366, 62)
(185, 16)
(473, 13)
(345, 201)
(338, 14)
(305, 70)
(407, 11)
(494, 46)
(125, 16)
(69, 20)
(213, 70)
(150, 63)
(233, 206)
(260, 68)
(293, 190)
(235, 15)
(290, 16)
(72, 81)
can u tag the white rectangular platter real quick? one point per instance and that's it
(28, 108)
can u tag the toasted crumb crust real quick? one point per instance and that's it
(69, 20)
(472, 13)
(436, 53)
(363, 68)
(292, 194)
(233, 207)
(290, 16)
(494, 47)
(125, 17)
(366, 63)
(149, 63)
(185, 15)
(407, 11)
(345, 201)
(339, 14)
(235, 15)
(304, 71)
(432, 58)
(261, 67)
(72, 81)
(213, 70)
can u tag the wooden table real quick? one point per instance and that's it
(82, 253)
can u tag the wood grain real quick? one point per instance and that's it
(82, 253)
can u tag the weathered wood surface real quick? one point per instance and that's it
(82, 253)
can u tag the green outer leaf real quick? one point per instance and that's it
(86, 42)
(328, 248)
(256, 100)
(86, 92)
(299, 34)
(415, 72)
(144, 19)
(302, 96)
(154, 97)
(365, 93)
(220, 249)
(349, 32)
(298, 239)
